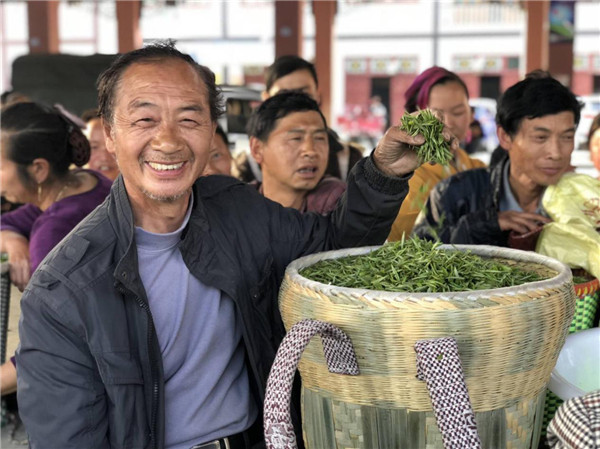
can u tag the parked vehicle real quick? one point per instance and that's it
(240, 101)
(484, 110)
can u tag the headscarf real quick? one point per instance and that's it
(423, 83)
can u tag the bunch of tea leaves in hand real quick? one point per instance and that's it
(417, 266)
(435, 149)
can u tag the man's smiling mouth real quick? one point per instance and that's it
(165, 167)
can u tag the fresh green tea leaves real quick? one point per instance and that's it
(417, 266)
(435, 149)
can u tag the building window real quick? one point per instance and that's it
(512, 62)
(597, 84)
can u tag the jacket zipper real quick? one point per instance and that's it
(154, 404)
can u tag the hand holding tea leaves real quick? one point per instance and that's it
(436, 148)
(403, 148)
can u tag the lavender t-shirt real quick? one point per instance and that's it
(207, 393)
(45, 229)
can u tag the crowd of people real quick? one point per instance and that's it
(151, 276)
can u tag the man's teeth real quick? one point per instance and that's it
(163, 167)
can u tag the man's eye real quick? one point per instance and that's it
(216, 156)
(189, 123)
(144, 121)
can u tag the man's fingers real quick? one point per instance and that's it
(449, 137)
(438, 114)
(518, 227)
(534, 217)
(521, 222)
(401, 136)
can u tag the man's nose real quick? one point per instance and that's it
(167, 138)
(554, 148)
(308, 148)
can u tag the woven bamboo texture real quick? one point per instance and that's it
(508, 339)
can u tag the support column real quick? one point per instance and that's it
(560, 63)
(560, 55)
(128, 20)
(288, 28)
(538, 34)
(324, 12)
(43, 26)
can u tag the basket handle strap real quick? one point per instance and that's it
(438, 364)
(340, 357)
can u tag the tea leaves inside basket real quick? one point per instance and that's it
(418, 266)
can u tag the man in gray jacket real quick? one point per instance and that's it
(155, 322)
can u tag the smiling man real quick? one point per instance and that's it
(536, 121)
(288, 139)
(154, 324)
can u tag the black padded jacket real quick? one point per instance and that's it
(89, 364)
(463, 209)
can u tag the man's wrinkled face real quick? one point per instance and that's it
(540, 151)
(162, 130)
(294, 156)
(300, 80)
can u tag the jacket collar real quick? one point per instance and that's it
(120, 215)
(198, 250)
(496, 179)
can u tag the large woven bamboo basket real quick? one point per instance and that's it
(508, 339)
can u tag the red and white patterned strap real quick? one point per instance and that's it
(340, 357)
(438, 364)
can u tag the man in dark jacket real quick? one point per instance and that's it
(536, 120)
(155, 322)
(292, 73)
(288, 139)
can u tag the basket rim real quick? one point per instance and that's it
(564, 274)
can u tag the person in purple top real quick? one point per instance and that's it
(39, 144)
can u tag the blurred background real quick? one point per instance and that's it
(365, 51)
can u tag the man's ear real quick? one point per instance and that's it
(256, 149)
(264, 95)
(318, 99)
(108, 137)
(39, 170)
(504, 139)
